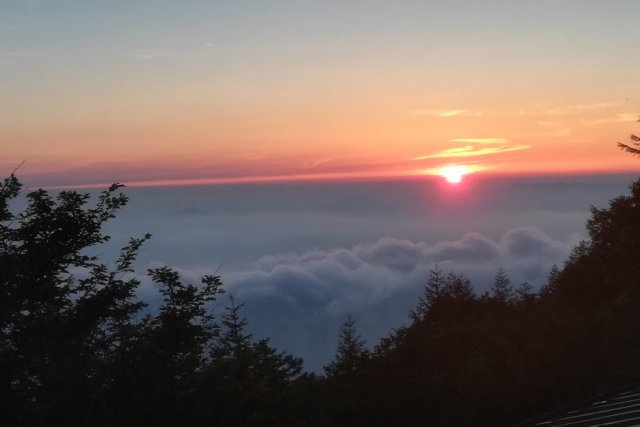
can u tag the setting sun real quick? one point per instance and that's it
(454, 174)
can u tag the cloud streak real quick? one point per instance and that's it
(445, 113)
(472, 151)
(543, 134)
(150, 54)
(540, 109)
(618, 118)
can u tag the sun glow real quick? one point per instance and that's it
(454, 174)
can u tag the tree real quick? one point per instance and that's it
(170, 352)
(552, 278)
(433, 289)
(63, 313)
(234, 341)
(249, 381)
(524, 291)
(351, 351)
(457, 288)
(71, 330)
(635, 141)
(502, 290)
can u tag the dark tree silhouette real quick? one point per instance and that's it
(524, 291)
(633, 147)
(433, 289)
(351, 352)
(253, 379)
(75, 348)
(552, 277)
(59, 333)
(501, 289)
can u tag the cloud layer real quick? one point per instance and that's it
(299, 299)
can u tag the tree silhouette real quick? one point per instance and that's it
(251, 378)
(59, 333)
(433, 289)
(75, 349)
(502, 290)
(524, 291)
(351, 351)
(634, 147)
(552, 277)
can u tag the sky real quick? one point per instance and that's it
(321, 124)
(163, 92)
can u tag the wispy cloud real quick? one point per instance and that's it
(550, 123)
(481, 140)
(580, 107)
(14, 54)
(618, 118)
(500, 146)
(316, 163)
(596, 105)
(148, 54)
(17, 57)
(554, 133)
(548, 110)
(445, 113)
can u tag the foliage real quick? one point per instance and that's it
(75, 348)
(632, 148)
(351, 353)
(502, 290)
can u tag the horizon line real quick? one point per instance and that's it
(336, 177)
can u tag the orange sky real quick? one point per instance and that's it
(315, 91)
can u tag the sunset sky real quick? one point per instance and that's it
(137, 91)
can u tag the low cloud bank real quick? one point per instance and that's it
(299, 300)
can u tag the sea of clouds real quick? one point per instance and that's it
(304, 256)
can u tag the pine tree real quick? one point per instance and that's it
(552, 279)
(502, 290)
(248, 380)
(457, 288)
(234, 340)
(524, 291)
(432, 291)
(351, 351)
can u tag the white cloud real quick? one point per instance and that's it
(308, 294)
(445, 113)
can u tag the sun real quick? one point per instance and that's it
(454, 174)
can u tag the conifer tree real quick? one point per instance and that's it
(552, 278)
(502, 290)
(433, 289)
(249, 380)
(234, 340)
(524, 291)
(457, 288)
(351, 351)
